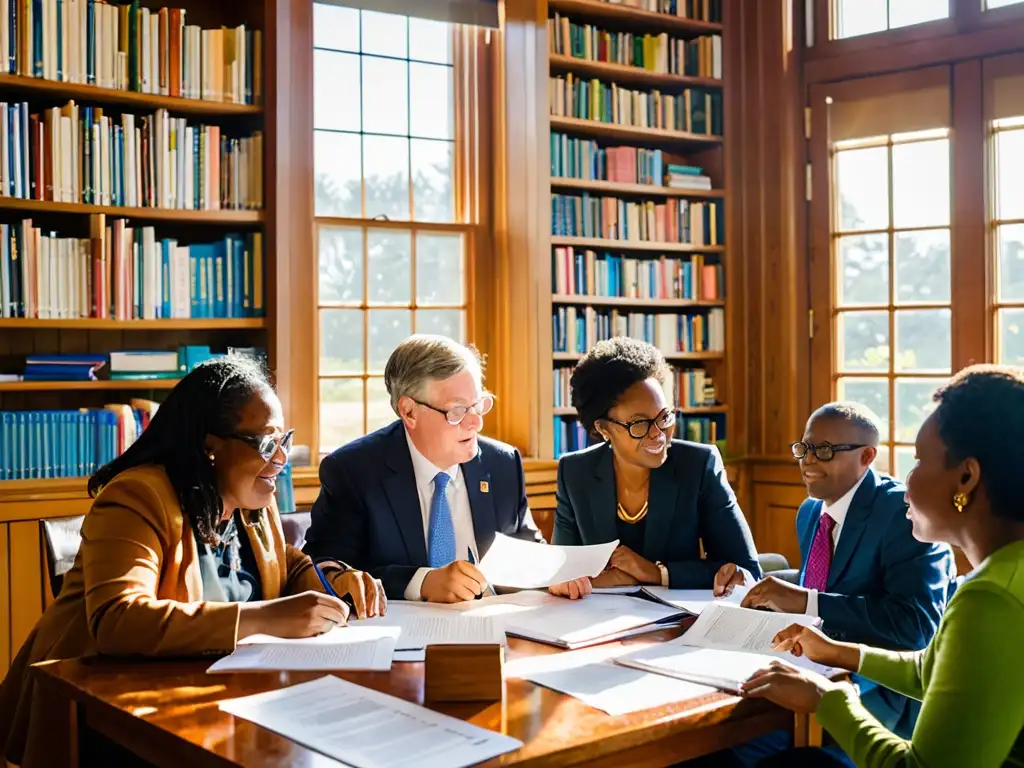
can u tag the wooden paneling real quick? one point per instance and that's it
(777, 492)
(5, 600)
(26, 577)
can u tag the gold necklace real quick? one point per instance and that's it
(627, 518)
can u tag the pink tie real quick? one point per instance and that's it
(820, 559)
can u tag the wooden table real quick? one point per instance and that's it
(166, 713)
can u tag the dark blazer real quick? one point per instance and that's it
(689, 502)
(368, 507)
(885, 588)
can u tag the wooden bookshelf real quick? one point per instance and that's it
(83, 386)
(170, 324)
(175, 215)
(676, 147)
(647, 190)
(25, 87)
(622, 73)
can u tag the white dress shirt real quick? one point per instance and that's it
(458, 504)
(837, 512)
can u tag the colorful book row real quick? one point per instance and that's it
(692, 388)
(698, 10)
(125, 273)
(577, 329)
(577, 272)
(695, 110)
(673, 221)
(701, 57)
(570, 436)
(74, 154)
(128, 47)
(585, 159)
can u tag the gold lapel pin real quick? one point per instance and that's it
(485, 487)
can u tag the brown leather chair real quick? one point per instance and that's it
(63, 536)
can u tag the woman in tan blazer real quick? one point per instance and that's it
(182, 552)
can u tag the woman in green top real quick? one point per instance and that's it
(967, 489)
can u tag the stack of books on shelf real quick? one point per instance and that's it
(584, 272)
(672, 221)
(688, 177)
(661, 53)
(702, 429)
(574, 158)
(577, 329)
(70, 367)
(125, 273)
(685, 388)
(128, 47)
(694, 110)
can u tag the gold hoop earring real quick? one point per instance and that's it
(960, 501)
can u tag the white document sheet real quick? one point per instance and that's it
(592, 677)
(730, 627)
(527, 565)
(419, 625)
(368, 729)
(696, 600)
(351, 648)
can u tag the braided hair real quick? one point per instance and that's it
(207, 401)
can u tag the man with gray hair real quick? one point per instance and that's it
(418, 502)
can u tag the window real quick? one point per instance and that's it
(392, 245)
(1008, 226)
(891, 243)
(990, 4)
(863, 17)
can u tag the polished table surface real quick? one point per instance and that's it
(166, 712)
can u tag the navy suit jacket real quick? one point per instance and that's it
(689, 502)
(368, 512)
(885, 588)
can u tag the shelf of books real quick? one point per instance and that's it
(637, 198)
(131, 217)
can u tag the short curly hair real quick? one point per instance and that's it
(609, 369)
(980, 415)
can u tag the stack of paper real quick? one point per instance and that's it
(368, 729)
(692, 600)
(351, 648)
(418, 625)
(724, 647)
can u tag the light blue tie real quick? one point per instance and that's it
(441, 539)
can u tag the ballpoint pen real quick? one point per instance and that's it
(487, 584)
(346, 599)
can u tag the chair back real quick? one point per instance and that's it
(63, 537)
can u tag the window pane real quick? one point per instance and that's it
(884, 460)
(430, 41)
(389, 259)
(386, 169)
(1011, 262)
(385, 96)
(1009, 180)
(440, 275)
(922, 266)
(861, 17)
(430, 100)
(340, 264)
(335, 27)
(903, 13)
(1011, 336)
(923, 340)
(336, 91)
(872, 393)
(920, 184)
(387, 328)
(336, 165)
(863, 341)
(433, 185)
(385, 34)
(378, 405)
(864, 270)
(989, 4)
(341, 341)
(862, 181)
(913, 404)
(447, 322)
(341, 412)
(904, 462)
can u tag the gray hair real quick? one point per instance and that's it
(862, 417)
(423, 358)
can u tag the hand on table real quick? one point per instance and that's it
(303, 615)
(367, 593)
(796, 689)
(641, 569)
(729, 577)
(458, 581)
(576, 589)
(778, 595)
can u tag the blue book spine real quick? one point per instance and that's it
(90, 42)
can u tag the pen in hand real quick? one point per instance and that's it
(346, 599)
(487, 584)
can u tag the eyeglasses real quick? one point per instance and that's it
(456, 414)
(822, 451)
(640, 428)
(267, 445)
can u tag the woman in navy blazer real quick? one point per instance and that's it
(661, 498)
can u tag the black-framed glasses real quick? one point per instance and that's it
(640, 428)
(267, 445)
(457, 413)
(822, 451)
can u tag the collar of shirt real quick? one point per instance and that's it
(838, 510)
(425, 471)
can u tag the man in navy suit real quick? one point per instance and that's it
(418, 502)
(863, 573)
